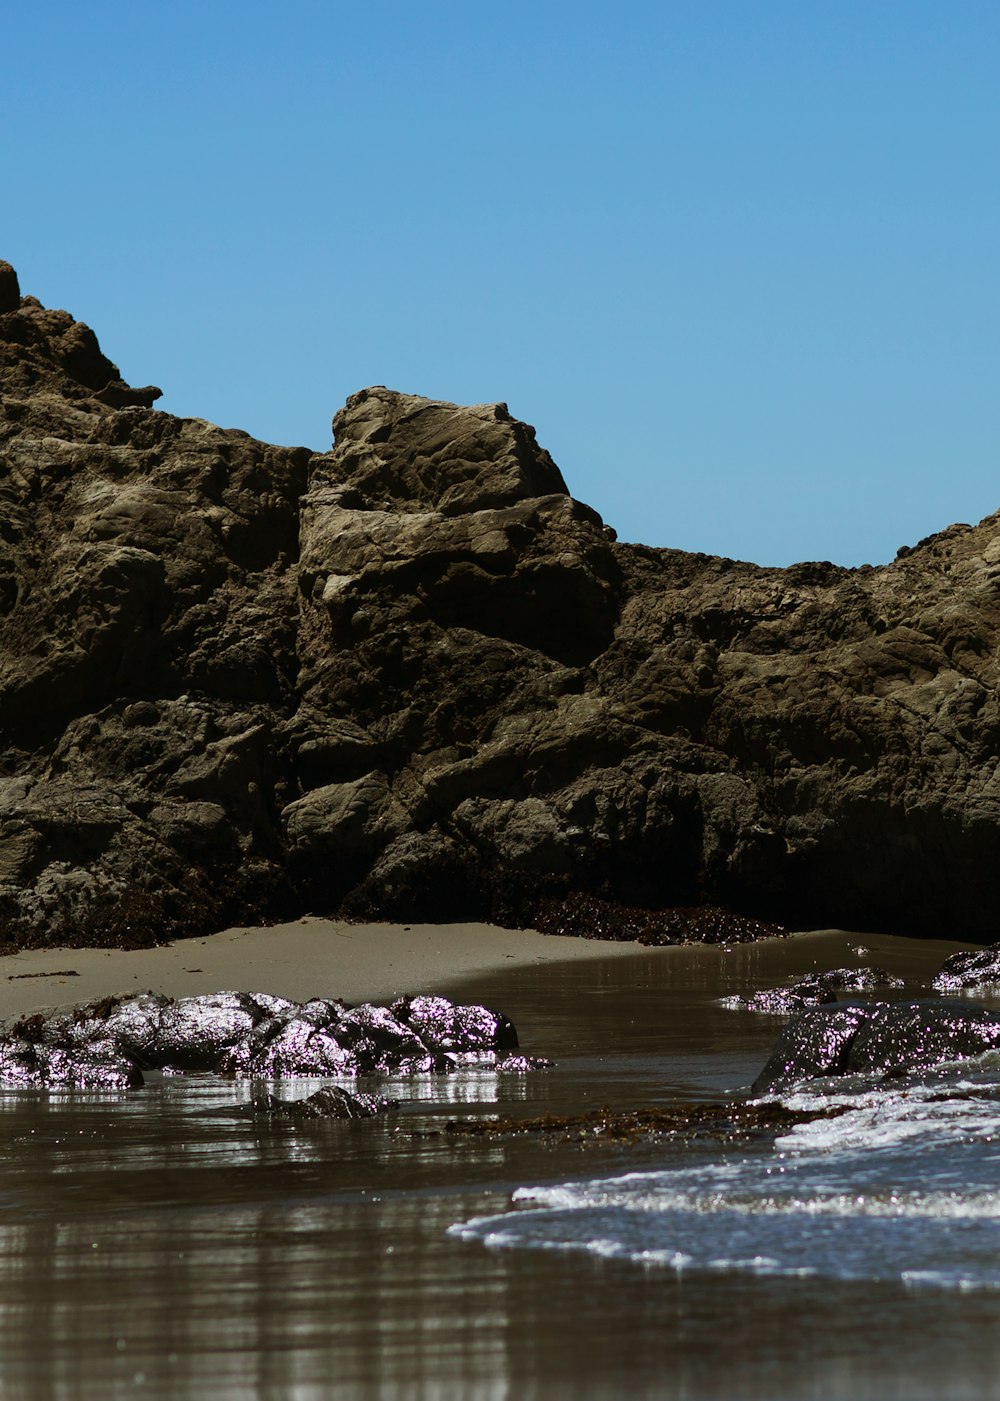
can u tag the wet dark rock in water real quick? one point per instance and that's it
(411, 676)
(522, 1065)
(252, 1035)
(814, 990)
(860, 979)
(979, 968)
(330, 1102)
(876, 1039)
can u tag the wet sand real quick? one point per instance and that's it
(308, 957)
(313, 957)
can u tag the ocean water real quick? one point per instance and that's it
(164, 1243)
(903, 1187)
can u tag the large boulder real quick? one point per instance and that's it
(876, 1040)
(411, 676)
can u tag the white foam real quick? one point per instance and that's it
(902, 1185)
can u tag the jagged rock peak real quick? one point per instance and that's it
(42, 348)
(395, 451)
(10, 291)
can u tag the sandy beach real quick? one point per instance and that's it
(308, 957)
(315, 957)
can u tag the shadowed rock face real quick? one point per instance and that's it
(412, 676)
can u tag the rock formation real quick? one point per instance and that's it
(253, 1036)
(876, 1040)
(413, 677)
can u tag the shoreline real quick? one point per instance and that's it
(307, 957)
(313, 957)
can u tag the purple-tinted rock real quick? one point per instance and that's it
(72, 1029)
(195, 1032)
(784, 1001)
(814, 990)
(135, 1026)
(377, 1038)
(522, 1065)
(431, 1063)
(271, 1006)
(815, 1044)
(19, 1068)
(980, 968)
(445, 1026)
(250, 1035)
(321, 1011)
(914, 1036)
(97, 1066)
(860, 979)
(877, 1039)
(294, 1048)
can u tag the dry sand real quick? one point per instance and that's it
(309, 957)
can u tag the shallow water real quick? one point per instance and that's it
(164, 1243)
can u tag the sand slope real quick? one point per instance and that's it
(309, 957)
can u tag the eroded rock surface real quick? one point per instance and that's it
(411, 676)
(875, 1040)
(108, 1044)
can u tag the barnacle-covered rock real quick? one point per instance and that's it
(134, 1025)
(98, 1065)
(377, 1038)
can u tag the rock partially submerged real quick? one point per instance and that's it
(980, 968)
(330, 1102)
(108, 1044)
(814, 990)
(876, 1040)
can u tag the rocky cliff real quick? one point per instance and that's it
(413, 676)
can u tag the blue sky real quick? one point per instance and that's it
(737, 262)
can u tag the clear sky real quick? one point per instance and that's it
(738, 262)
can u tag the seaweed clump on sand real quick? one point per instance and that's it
(694, 1121)
(590, 917)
